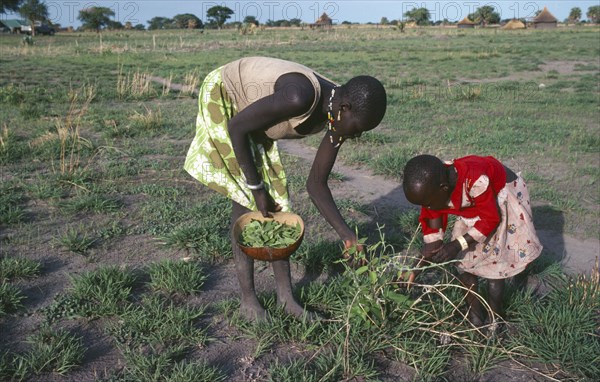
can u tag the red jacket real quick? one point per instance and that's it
(479, 181)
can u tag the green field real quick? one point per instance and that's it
(96, 211)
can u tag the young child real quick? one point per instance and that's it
(245, 107)
(494, 237)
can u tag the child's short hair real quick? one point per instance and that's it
(368, 98)
(422, 170)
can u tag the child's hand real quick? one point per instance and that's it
(445, 253)
(430, 248)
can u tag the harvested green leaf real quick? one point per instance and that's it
(269, 233)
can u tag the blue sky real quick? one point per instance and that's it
(140, 11)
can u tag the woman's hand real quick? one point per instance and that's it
(265, 203)
(354, 253)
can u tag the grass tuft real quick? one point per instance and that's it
(159, 323)
(78, 242)
(176, 277)
(56, 351)
(562, 328)
(90, 203)
(107, 289)
(11, 298)
(14, 268)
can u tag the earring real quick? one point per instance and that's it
(339, 117)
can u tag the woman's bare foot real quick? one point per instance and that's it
(253, 311)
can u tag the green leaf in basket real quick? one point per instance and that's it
(269, 233)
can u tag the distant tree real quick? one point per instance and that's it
(296, 22)
(418, 15)
(218, 15)
(187, 21)
(160, 23)
(282, 23)
(139, 27)
(485, 15)
(9, 5)
(251, 20)
(115, 25)
(33, 10)
(384, 21)
(95, 18)
(593, 14)
(575, 15)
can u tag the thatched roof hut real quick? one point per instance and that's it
(545, 20)
(466, 23)
(514, 24)
(322, 22)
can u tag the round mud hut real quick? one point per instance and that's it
(466, 23)
(323, 22)
(545, 20)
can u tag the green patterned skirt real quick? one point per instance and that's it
(211, 160)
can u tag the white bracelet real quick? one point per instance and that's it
(463, 242)
(255, 187)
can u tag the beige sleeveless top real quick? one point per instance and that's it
(252, 78)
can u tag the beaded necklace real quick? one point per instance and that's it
(330, 120)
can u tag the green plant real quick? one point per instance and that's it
(12, 148)
(112, 230)
(43, 189)
(269, 234)
(197, 239)
(317, 255)
(11, 94)
(195, 372)
(10, 298)
(51, 350)
(12, 268)
(69, 307)
(482, 357)
(77, 242)
(107, 289)
(159, 323)
(176, 277)
(561, 329)
(11, 211)
(90, 203)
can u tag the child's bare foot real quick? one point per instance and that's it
(475, 319)
(253, 311)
